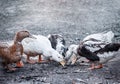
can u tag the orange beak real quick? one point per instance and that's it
(62, 63)
(74, 59)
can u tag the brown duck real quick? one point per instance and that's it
(13, 53)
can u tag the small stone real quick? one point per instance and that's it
(78, 71)
(78, 80)
(43, 79)
(38, 79)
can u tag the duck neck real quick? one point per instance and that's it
(17, 42)
(53, 51)
(17, 39)
(119, 45)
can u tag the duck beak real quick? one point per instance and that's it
(74, 59)
(62, 63)
(31, 36)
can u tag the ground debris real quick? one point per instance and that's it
(43, 79)
(79, 71)
(79, 81)
(108, 76)
(29, 77)
(61, 72)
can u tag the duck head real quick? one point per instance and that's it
(20, 35)
(58, 58)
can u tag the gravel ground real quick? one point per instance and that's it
(74, 19)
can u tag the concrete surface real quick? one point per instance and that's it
(74, 19)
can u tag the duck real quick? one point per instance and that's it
(100, 54)
(72, 56)
(58, 43)
(40, 46)
(92, 40)
(13, 53)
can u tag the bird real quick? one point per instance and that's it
(40, 45)
(98, 54)
(58, 43)
(92, 40)
(72, 56)
(13, 53)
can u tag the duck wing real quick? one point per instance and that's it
(4, 45)
(83, 51)
(94, 44)
(111, 47)
(105, 37)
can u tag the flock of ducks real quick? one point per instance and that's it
(97, 49)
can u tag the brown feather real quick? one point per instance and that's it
(13, 53)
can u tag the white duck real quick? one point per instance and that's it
(57, 42)
(40, 45)
(91, 40)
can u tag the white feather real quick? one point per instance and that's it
(105, 37)
(41, 45)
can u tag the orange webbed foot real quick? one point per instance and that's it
(19, 64)
(99, 66)
(43, 61)
(92, 67)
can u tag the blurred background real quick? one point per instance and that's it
(74, 19)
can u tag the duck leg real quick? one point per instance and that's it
(99, 66)
(41, 61)
(30, 61)
(92, 66)
(19, 64)
(86, 60)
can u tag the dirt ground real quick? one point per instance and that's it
(74, 19)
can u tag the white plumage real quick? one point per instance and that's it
(40, 45)
(105, 37)
(99, 41)
(99, 47)
(71, 54)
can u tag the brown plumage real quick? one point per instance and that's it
(13, 53)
